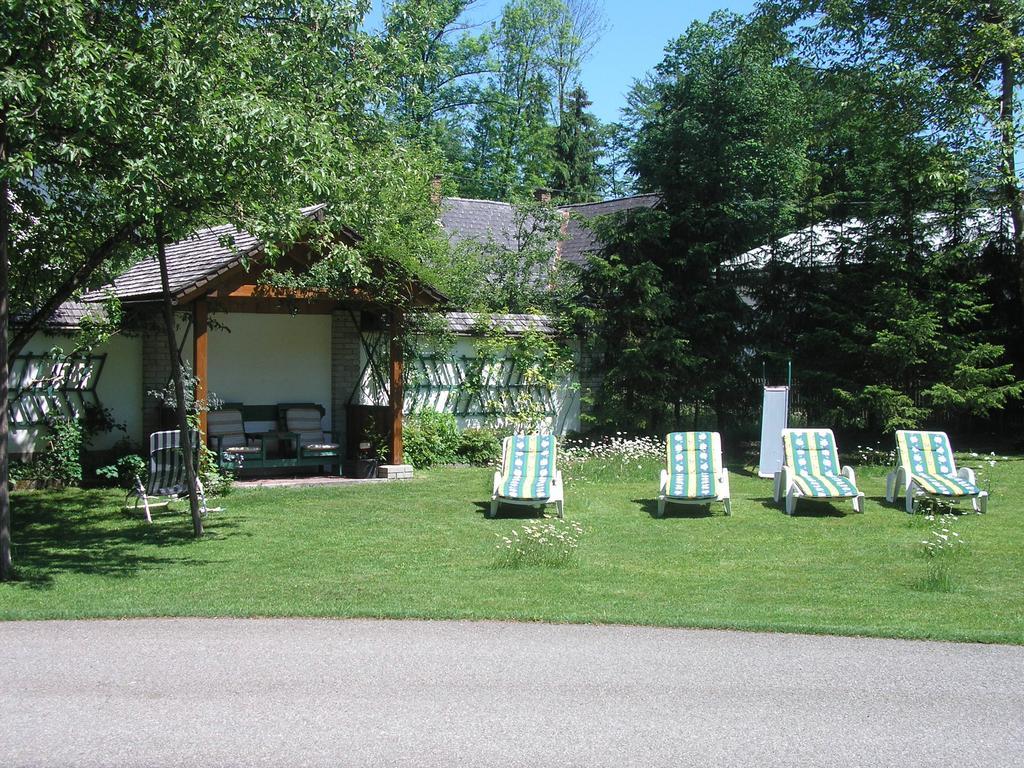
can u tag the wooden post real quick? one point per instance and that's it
(200, 350)
(396, 393)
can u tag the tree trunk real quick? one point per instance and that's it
(5, 497)
(1011, 189)
(179, 386)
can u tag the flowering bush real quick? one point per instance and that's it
(982, 465)
(615, 457)
(873, 456)
(941, 550)
(551, 542)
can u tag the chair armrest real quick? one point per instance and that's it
(966, 473)
(497, 483)
(725, 493)
(850, 474)
(663, 482)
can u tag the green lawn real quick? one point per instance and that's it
(423, 548)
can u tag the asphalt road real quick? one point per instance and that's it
(397, 693)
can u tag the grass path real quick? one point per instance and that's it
(423, 548)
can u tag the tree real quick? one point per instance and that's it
(579, 27)
(889, 324)
(128, 127)
(510, 152)
(440, 59)
(969, 57)
(719, 133)
(578, 143)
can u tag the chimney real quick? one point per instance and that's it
(542, 195)
(435, 189)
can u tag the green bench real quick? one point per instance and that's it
(295, 427)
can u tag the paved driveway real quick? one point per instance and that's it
(396, 693)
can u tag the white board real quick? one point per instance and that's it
(774, 419)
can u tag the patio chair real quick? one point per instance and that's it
(304, 421)
(528, 475)
(167, 478)
(695, 473)
(810, 470)
(927, 469)
(227, 438)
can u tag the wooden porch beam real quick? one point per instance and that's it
(396, 393)
(200, 357)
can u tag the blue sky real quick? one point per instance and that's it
(635, 43)
(638, 31)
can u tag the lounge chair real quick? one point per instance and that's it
(167, 478)
(810, 470)
(304, 421)
(528, 475)
(695, 473)
(225, 432)
(927, 468)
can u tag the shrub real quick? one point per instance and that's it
(124, 471)
(479, 447)
(430, 438)
(62, 460)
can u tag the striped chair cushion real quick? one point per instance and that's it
(167, 463)
(812, 457)
(306, 423)
(225, 424)
(528, 467)
(693, 459)
(927, 457)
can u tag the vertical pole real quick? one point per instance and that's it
(200, 343)
(396, 393)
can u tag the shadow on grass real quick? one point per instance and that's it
(807, 508)
(87, 532)
(512, 511)
(745, 471)
(693, 511)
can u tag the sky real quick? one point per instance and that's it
(634, 42)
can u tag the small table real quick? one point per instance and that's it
(280, 436)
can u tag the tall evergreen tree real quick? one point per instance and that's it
(719, 133)
(578, 144)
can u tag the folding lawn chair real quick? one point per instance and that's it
(167, 478)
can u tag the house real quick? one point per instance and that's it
(246, 343)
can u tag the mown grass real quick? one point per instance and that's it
(424, 548)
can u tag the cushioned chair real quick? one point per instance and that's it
(928, 469)
(810, 470)
(225, 433)
(167, 476)
(528, 474)
(695, 473)
(312, 442)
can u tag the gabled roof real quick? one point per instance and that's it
(489, 220)
(469, 323)
(190, 262)
(826, 243)
(580, 240)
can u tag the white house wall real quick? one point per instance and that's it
(264, 359)
(446, 377)
(119, 389)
